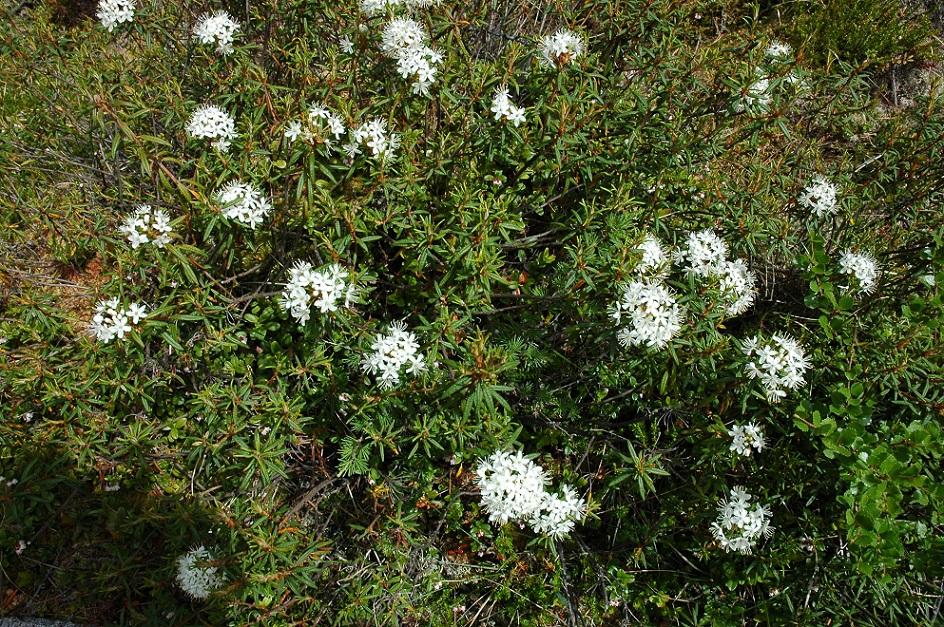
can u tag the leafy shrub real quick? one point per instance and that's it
(858, 32)
(381, 275)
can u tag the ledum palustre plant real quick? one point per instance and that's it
(607, 313)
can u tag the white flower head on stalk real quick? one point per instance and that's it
(819, 197)
(558, 513)
(244, 203)
(704, 253)
(147, 225)
(747, 438)
(218, 28)
(862, 267)
(757, 97)
(779, 364)
(511, 486)
(374, 135)
(778, 51)
(654, 315)
(391, 352)
(212, 122)
(111, 13)
(111, 320)
(513, 489)
(326, 289)
(561, 48)
(373, 7)
(503, 108)
(737, 286)
(195, 575)
(405, 41)
(740, 524)
(655, 261)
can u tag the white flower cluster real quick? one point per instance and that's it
(218, 28)
(819, 196)
(778, 51)
(756, 98)
(863, 267)
(561, 48)
(737, 285)
(390, 352)
(210, 121)
(739, 524)
(322, 122)
(244, 203)
(374, 134)
(513, 489)
(147, 225)
(326, 121)
(405, 41)
(746, 437)
(705, 254)
(195, 576)
(111, 13)
(327, 127)
(372, 7)
(321, 288)
(502, 107)
(655, 260)
(779, 364)
(654, 315)
(111, 320)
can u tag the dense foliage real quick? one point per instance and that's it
(275, 286)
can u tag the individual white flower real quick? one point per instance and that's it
(218, 28)
(381, 143)
(346, 45)
(293, 130)
(744, 438)
(212, 122)
(655, 261)
(195, 575)
(392, 351)
(561, 48)
(111, 321)
(739, 524)
(111, 13)
(779, 364)
(863, 267)
(244, 203)
(737, 286)
(147, 225)
(136, 312)
(819, 197)
(704, 253)
(502, 107)
(778, 51)
(654, 315)
(322, 288)
(406, 41)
